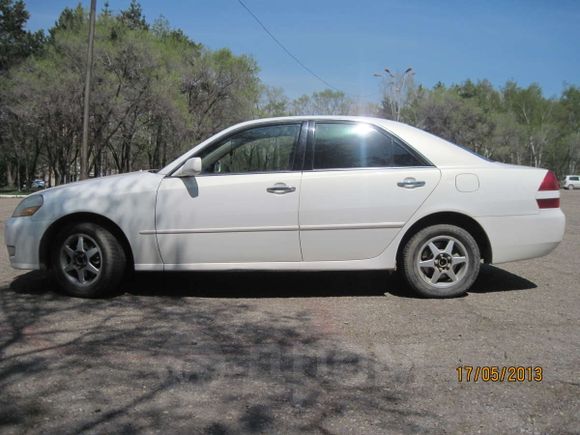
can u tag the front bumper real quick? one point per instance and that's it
(22, 236)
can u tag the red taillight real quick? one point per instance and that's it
(550, 182)
(549, 203)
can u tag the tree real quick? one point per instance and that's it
(511, 124)
(221, 89)
(155, 93)
(106, 12)
(16, 43)
(445, 113)
(568, 120)
(133, 17)
(509, 138)
(69, 20)
(272, 102)
(326, 102)
(534, 112)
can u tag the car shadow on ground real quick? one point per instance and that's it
(276, 284)
(164, 364)
(139, 363)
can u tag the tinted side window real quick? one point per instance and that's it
(338, 146)
(574, 178)
(261, 149)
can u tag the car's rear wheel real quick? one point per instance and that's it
(441, 261)
(87, 260)
(570, 187)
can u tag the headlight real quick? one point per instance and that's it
(28, 206)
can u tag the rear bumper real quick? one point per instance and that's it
(516, 238)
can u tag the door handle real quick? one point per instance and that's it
(410, 183)
(280, 189)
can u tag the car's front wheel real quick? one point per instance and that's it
(87, 260)
(441, 261)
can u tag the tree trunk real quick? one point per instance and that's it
(9, 174)
(18, 184)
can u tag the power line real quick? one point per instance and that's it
(283, 47)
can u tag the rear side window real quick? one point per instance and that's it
(574, 178)
(349, 145)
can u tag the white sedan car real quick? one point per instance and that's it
(296, 193)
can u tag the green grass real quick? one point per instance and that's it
(12, 191)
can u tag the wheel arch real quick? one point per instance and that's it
(451, 218)
(56, 226)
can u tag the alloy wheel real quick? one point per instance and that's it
(442, 261)
(81, 259)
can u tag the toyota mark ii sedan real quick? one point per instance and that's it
(296, 193)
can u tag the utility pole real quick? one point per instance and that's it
(85, 144)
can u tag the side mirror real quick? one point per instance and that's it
(190, 168)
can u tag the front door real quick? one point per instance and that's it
(242, 208)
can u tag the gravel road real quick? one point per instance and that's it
(293, 352)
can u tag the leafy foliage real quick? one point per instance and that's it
(15, 42)
(512, 124)
(155, 93)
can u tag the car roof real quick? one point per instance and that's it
(438, 151)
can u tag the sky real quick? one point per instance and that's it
(346, 41)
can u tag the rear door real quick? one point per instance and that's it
(359, 187)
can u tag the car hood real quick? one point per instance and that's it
(111, 184)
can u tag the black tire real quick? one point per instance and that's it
(570, 187)
(103, 265)
(462, 263)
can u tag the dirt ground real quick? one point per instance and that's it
(293, 352)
